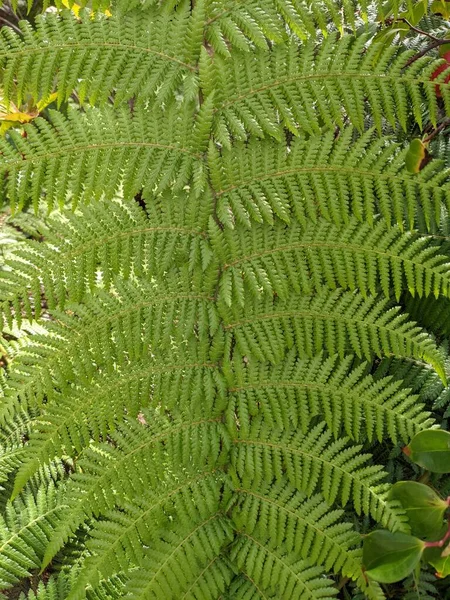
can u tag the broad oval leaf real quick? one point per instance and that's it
(439, 558)
(424, 508)
(430, 449)
(390, 557)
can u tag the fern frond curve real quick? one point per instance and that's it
(110, 330)
(338, 321)
(134, 56)
(144, 526)
(310, 461)
(106, 474)
(92, 155)
(113, 240)
(183, 358)
(25, 529)
(308, 524)
(345, 397)
(298, 89)
(278, 259)
(70, 422)
(261, 567)
(322, 176)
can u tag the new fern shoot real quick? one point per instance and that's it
(224, 299)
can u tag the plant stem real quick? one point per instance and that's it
(438, 129)
(421, 32)
(441, 542)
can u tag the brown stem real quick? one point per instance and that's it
(438, 129)
(441, 542)
(435, 44)
(421, 32)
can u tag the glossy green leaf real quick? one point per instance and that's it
(390, 557)
(415, 155)
(416, 12)
(439, 558)
(424, 508)
(431, 450)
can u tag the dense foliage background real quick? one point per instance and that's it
(224, 293)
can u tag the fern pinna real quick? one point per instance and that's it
(224, 294)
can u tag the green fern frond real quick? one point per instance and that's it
(248, 24)
(169, 570)
(323, 176)
(314, 462)
(106, 473)
(135, 56)
(279, 259)
(338, 321)
(70, 421)
(111, 330)
(92, 155)
(309, 528)
(58, 587)
(25, 529)
(433, 315)
(292, 393)
(306, 88)
(274, 574)
(143, 534)
(422, 379)
(185, 411)
(107, 241)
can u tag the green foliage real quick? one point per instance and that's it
(389, 557)
(230, 307)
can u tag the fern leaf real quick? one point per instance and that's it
(107, 473)
(314, 461)
(25, 528)
(131, 57)
(295, 391)
(90, 156)
(143, 531)
(262, 92)
(324, 177)
(338, 321)
(308, 527)
(109, 331)
(100, 243)
(263, 566)
(278, 259)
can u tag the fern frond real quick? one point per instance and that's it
(338, 179)
(107, 473)
(277, 516)
(305, 87)
(100, 243)
(112, 329)
(417, 375)
(134, 56)
(25, 529)
(292, 393)
(92, 155)
(337, 321)
(185, 411)
(58, 588)
(280, 259)
(433, 315)
(314, 462)
(274, 574)
(171, 567)
(142, 532)
(248, 24)
(71, 420)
